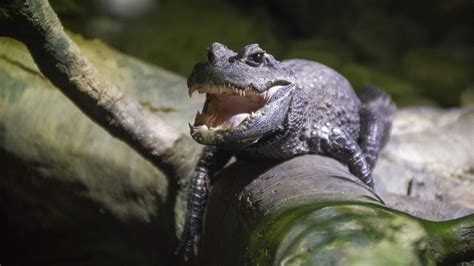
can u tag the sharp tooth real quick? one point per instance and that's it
(190, 126)
(202, 127)
(190, 91)
(198, 113)
(243, 93)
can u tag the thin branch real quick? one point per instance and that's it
(34, 23)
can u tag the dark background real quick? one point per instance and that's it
(420, 51)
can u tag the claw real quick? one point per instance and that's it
(188, 244)
(183, 246)
(190, 91)
(195, 249)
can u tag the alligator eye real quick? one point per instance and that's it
(256, 58)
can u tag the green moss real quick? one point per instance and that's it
(266, 236)
(452, 241)
(343, 234)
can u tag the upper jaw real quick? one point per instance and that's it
(232, 88)
(224, 88)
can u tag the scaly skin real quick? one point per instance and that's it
(296, 106)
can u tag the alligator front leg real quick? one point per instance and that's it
(337, 144)
(211, 160)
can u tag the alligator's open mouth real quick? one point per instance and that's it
(227, 106)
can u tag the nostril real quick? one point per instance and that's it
(210, 56)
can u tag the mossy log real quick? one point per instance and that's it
(311, 211)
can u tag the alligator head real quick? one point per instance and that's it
(247, 95)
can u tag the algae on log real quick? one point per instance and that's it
(311, 211)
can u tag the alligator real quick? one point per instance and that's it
(260, 109)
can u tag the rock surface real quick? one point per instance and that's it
(67, 185)
(430, 157)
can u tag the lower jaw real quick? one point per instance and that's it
(234, 122)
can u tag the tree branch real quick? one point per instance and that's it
(34, 23)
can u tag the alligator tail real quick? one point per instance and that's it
(377, 113)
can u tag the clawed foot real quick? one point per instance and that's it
(211, 158)
(370, 182)
(188, 244)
